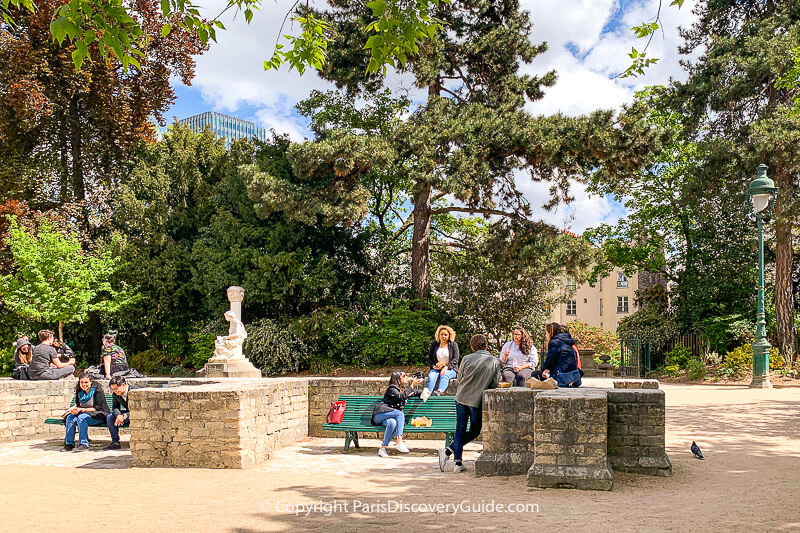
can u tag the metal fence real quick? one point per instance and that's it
(638, 357)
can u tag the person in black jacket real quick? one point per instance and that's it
(90, 409)
(561, 363)
(120, 415)
(389, 411)
(443, 358)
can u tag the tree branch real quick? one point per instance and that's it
(473, 210)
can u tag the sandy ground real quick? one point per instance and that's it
(748, 482)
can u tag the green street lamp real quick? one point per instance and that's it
(761, 196)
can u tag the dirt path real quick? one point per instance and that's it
(748, 482)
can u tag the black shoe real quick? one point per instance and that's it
(82, 448)
(68, 448)
(113, 446)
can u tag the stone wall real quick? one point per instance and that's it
(508, 443)
(24, 406)
(570, 431)
(236, 424)
(636, 439)
(322, 392)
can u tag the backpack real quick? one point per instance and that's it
(21, 372)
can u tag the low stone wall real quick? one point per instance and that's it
(235, 424)
(322, 392)
(24, 406)
(636, 432)
(508, 440)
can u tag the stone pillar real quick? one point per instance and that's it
(235, 297)
(570, 427)
(636, 420)
(508, 448)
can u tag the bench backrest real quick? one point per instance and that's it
(440, 409)
(109, 400)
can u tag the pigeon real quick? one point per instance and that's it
(696, 450)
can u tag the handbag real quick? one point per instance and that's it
(336, 412)
(569, 379)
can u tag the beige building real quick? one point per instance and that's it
(605, 304)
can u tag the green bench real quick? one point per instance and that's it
(358, 417)
(60, 421)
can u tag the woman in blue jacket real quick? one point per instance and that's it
(561, 363)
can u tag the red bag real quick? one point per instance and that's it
(578, 355)
(336, 413)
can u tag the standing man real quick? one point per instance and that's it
(479, 371)
(44, 355)
(120, 414)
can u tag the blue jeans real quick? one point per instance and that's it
(464, 414)
(395, 422)
(433, 375)
(112, 429)
(82, 421)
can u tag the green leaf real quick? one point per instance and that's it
(165, 29)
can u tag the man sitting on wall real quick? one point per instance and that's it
(45, 360)
(120, 414)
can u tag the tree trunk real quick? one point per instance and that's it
(784, 301)
(60, 331)
(94, 332)
(78, 188)
(420, 244)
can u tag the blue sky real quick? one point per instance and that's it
(588, 45)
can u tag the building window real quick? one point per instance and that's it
(572, 307)
(601, 309)
(622, 304)
(571, 286)
(622, 280)
(585, 301)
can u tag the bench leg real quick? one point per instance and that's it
(448, 438)
(355, 440)
(347, 442)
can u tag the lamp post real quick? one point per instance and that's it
(761, 196)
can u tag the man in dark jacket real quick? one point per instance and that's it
(120, 414)
(478, 371)
(44, 355)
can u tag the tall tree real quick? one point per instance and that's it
(743, 115)
(69, 133)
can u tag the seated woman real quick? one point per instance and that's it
(112, 357)
(562, 359)
(443, 358)
(389, 411)
(90, 409)
(519, 358)
(22, 352)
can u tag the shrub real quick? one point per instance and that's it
(399, 336)
(725, 333)
(6, 362)
(740, 360)
(593, 338)
(274, 348)
(680, 356)
(200, 350)
(331, 335)
(696, 369)
(152, 361)
(647, 325)
(672, 371)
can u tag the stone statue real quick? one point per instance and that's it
(230, 345)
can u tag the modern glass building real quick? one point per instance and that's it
(225, 126)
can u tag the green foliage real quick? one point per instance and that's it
(738, 361)
(274, 348)
(307, 50)
(201, 348)
(647, 325)
(56, 281)
(696, 369)
(603, 342)
(332, 337)
(776, 361)
(150, 362)
(672, 371)
(6, 361)
(397, 336)
(727, 332)
(680, 356)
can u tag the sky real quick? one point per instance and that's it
(588, 44)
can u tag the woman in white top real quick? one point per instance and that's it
(443, 358)
(519, 358)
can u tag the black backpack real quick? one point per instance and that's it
(21, 372)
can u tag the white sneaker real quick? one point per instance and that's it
(442, 458)
(457, 469)
(382, 453)
(426, 393)
(401, 447)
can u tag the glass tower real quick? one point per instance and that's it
(225, 126)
